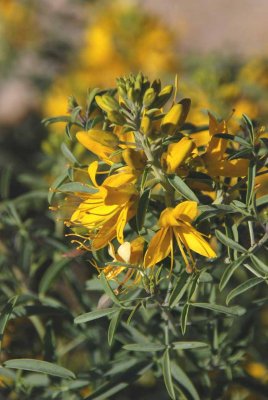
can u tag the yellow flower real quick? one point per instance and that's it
(176, 154)
(177, 222)
(103, 144)
(105, 213)
(214, 153)
(129, 253)
(175, 117)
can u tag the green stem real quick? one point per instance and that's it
(157, 170)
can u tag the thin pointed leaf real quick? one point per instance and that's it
(108, 290)
(184, 317)
(142, 208)
(55, 185)
(68, 154)
(250, 283)
(5, 315)
(147, 347)
(250, 182)
(179, 289)
(232, 311)
(166, 368)
(188, 345)
(77, 187)
(51, 274)
(183, 380)
(113, 326)
(44, 367)
(178, 184)
(96, 314)
(230, 269)
(228, 242)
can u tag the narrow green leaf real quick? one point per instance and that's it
(230, 269)
(250, 283)
(259, 264)
(90, 98)
(137, 306)
(262, 200)
(250, 182)
(68, 154)
(54, 186)
(51, 274)
(229, 242)
(147, 347)
(52, 120)
(142, 208)
(113, 326)
(39, 366)
(179, 289)
(5, 315)
(234, 138)
(96, 314)
(183, 380)
(184, 317)
(77, 187)
(249, 126)
(244, 153)
(119, 382)
(180, 186)
(188, 345)
(166, 368)
(108, 290)
(235, 311)
(74, 114)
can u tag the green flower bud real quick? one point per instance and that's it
(149, 97)
(107, 103)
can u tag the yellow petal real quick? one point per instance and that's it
(192, 238)
(228, 168)
(167, 218)
(137, 246)
(201, 138)
(177, 153)
(121, 223)
(158, 249)
(175, 117)
(92, 172)
(186, 211)
(105, 234)
(124, 251)
(99, 142)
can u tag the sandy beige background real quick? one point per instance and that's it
(237, 26)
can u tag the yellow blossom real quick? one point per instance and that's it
(175, 117)
(214, 154)
(104, 214)
(176, 154)
(129, 253)
(103, 144)
(176, 222)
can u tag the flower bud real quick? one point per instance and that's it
(116, 117)
(149, 97)
(175, 117)
(107, 103)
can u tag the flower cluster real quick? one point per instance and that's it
(151, 175)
